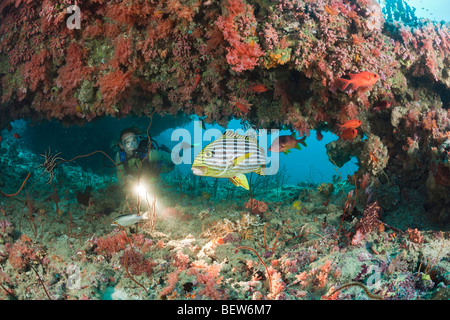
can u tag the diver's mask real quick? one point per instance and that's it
(131, 143)
(136, 144)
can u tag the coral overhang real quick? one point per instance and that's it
(203, 57)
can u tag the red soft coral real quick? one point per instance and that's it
(74, 71)
(111, 244)
(21, 254)
(244, 52)
(257, 207)
(136, 264)
(122, 53)
(35, 70)
(244, 56)
(114, 87)
(368, 222)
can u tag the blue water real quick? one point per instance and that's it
(431, 9)
(310, 164)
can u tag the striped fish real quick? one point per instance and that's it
(230, 156)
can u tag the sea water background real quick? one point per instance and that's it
(436, 10)
(310, 164)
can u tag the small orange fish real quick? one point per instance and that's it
(284, 143)
(242, 108)
(348, 134)
(196, 80)
(331, 10)
(354, 123)
(219, 241)
(16, 135)
(381, 105)
(259, 88)
(362, 79)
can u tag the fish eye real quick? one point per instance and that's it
(208, 154)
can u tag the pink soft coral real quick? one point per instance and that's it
(111, 244)
(244, 56)
(113, 87)
(244, 52)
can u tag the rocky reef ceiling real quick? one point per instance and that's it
(272, 63)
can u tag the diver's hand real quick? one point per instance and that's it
(164, 148)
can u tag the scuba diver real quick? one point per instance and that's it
(140, 158)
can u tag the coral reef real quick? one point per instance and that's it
(196, 250)
(256, 207)
(274, 64)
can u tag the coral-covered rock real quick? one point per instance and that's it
(256, 207)
(6, 231)
(204, 57)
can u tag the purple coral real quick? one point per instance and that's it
(5, 226)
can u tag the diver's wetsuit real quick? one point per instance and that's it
(137, 165)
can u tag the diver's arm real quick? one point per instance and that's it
(120, 170)
(122, 177)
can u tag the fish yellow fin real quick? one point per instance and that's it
(241, 158)
(240, 180)
(260, 170)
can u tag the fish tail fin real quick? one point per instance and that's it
(346, 83)
(302, 141)
(240, 180)
(260, 170)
